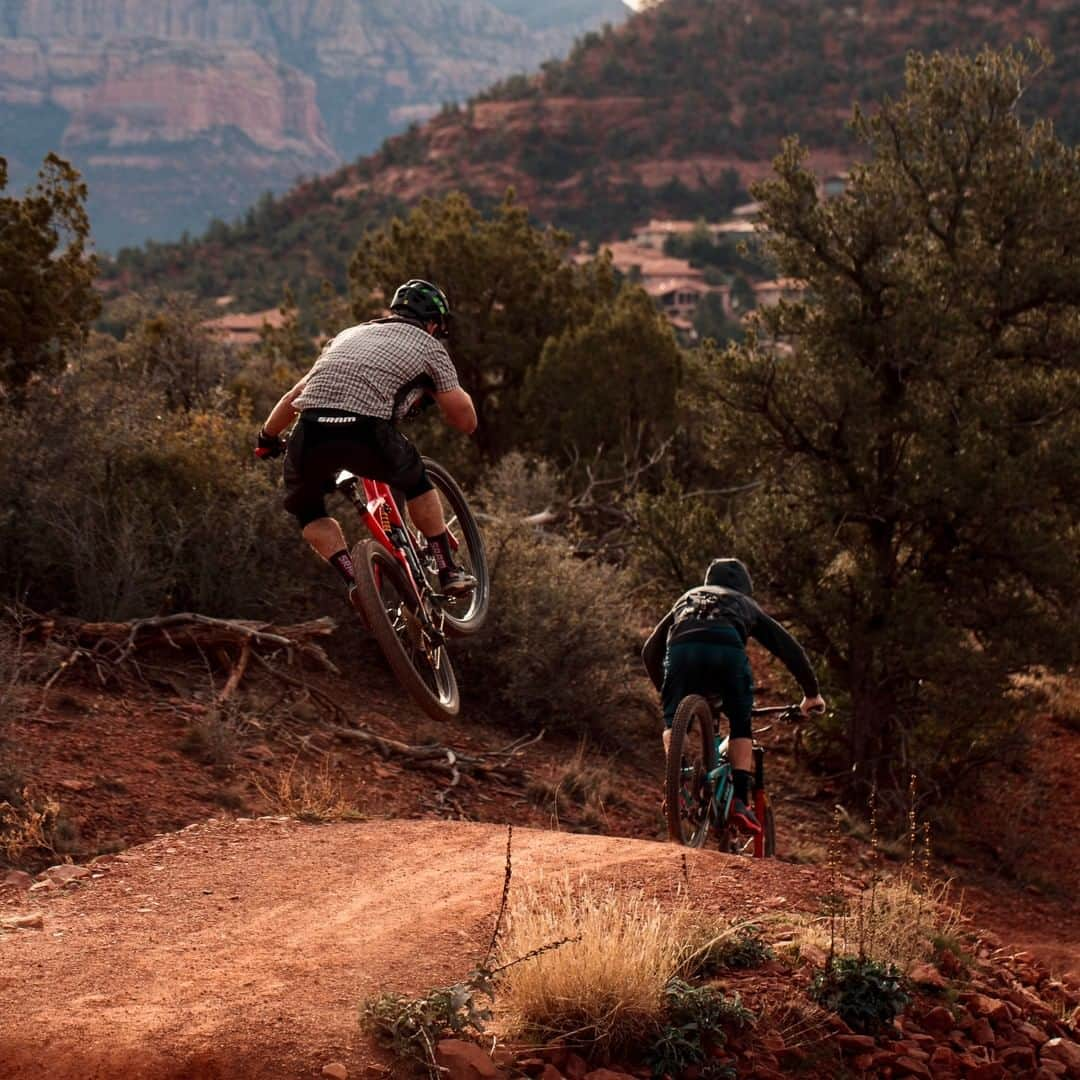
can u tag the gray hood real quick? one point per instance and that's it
(730, 574)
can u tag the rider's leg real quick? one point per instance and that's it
(672, 690)
(427, 514)
(309, 468)
(426, 511)
(326, 539)
(738, 703)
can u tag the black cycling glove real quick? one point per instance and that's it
(269, 446)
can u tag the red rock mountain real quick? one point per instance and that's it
(179, 110)
(672, 114)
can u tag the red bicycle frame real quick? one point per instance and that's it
(379, 512)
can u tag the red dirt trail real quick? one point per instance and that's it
(243, 948)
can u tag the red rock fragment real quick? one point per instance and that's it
(909, 1066)
(989, 1070)
(1017, 1058)
(856, 1044)
(465, 1061)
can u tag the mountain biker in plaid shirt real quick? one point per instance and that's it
(699, 647)
(367, 378)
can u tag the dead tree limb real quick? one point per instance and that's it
(109, 646)
(444, 759)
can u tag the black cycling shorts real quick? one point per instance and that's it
(328, 440)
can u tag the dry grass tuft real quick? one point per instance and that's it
(1059, 693)
(604, 988)
(894, 922)
(307, 794)
(582, 781)
(28, 827)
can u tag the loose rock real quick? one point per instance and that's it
(35, 921)
(1063, 1050)
(64, 873)
(464, 1061)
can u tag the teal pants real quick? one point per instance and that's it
(713, 664)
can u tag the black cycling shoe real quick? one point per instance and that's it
(742, 817)
(456, 582)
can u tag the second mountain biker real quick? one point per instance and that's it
(699, 647)
(367, 378)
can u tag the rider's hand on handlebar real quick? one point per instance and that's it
(810, 705)
(268, 446)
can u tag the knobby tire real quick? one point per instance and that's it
(691, 733)
(369, 560)
(461, 521)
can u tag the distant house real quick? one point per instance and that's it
(768, 293)
(656, 233)
(679, 298)
(646, 264)
(243, 329)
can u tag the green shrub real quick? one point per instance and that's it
(695, 1019)
(558, 651)
(411, 1027)
(114, 506)
(866, 995)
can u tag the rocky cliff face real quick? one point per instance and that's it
(178, 110)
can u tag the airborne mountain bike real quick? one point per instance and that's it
(699, 785)
(397, 584)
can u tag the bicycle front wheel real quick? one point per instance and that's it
(391, 607)
(464, 616)
(688, 793)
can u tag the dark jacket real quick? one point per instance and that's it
(725, 601)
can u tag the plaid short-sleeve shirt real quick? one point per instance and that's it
(378, 369)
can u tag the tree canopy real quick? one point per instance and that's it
(917, 414)
(537, 339)
(47, 299)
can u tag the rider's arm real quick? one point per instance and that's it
(283, 413)
(785, 648)
(652, 654)
(457, 409)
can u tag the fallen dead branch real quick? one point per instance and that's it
(109, 646)
(502, 763)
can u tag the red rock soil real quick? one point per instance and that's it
(237, 948)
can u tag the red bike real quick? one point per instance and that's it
(397, 584)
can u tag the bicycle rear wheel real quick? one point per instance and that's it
(691, 757)
(391, 607)
(464, 616)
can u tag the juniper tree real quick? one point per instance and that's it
(514, 290)
(915, 415)
(47, 298)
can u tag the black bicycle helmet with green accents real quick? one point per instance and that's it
(421, 300)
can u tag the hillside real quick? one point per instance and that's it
(199, 944)
(178, 112)
(674, 113)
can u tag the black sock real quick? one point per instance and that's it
(440, 547)
(342, 563)
(742, 780)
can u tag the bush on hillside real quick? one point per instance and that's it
(559, 648)
(116, 505)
